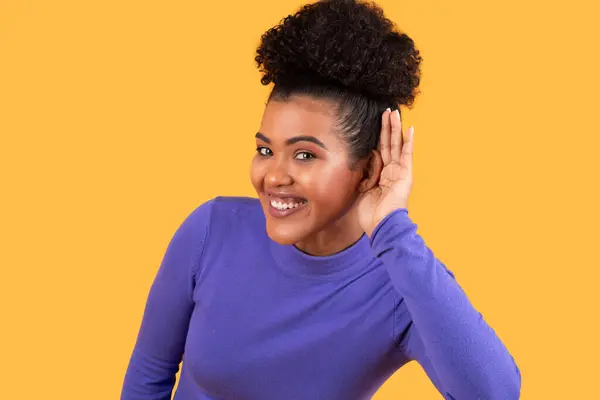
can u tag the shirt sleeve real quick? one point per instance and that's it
(159, 347)
(448, 337)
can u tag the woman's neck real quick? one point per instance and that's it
(335, 237)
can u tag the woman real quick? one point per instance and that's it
(321, 287)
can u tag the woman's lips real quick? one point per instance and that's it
(280, 213)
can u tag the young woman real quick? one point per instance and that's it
(320, 288)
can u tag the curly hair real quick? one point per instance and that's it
(346, 51)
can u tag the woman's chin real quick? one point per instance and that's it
(284, 235)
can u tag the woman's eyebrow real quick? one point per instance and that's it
(294, 139)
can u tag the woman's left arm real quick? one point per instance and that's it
(459, 351)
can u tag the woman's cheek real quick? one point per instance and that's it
(344, 187)
(328, 186)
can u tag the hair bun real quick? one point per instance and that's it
(344, 42)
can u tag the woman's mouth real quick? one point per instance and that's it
(280, 208)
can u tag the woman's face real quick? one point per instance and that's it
(301, 171)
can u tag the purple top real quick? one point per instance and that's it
(255, 320)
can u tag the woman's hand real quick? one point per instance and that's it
(395, 181)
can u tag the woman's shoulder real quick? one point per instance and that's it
(237, 203)
(228, 214)
(234, 206)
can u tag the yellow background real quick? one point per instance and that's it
(118, 118)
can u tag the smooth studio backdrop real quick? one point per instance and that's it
(118, 118)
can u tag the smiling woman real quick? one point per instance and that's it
(303, 157)
(320, 288)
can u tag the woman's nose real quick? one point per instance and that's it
(278, 176)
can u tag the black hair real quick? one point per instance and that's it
(346, 51)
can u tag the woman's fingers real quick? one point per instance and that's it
(396, 136)
(384, 139)
(407, 150)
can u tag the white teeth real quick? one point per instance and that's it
(284, 206)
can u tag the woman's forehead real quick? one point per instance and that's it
(299, 115)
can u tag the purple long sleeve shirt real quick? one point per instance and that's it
(255, 320)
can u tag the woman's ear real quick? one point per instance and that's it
(371, 171)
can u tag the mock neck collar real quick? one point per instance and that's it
(341, 264)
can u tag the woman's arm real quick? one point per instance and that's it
(449, 338)
(162, 335)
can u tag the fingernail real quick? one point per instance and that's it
(388, 109)
(397, 111)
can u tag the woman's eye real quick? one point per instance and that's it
(304, 156)
(263, 151)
